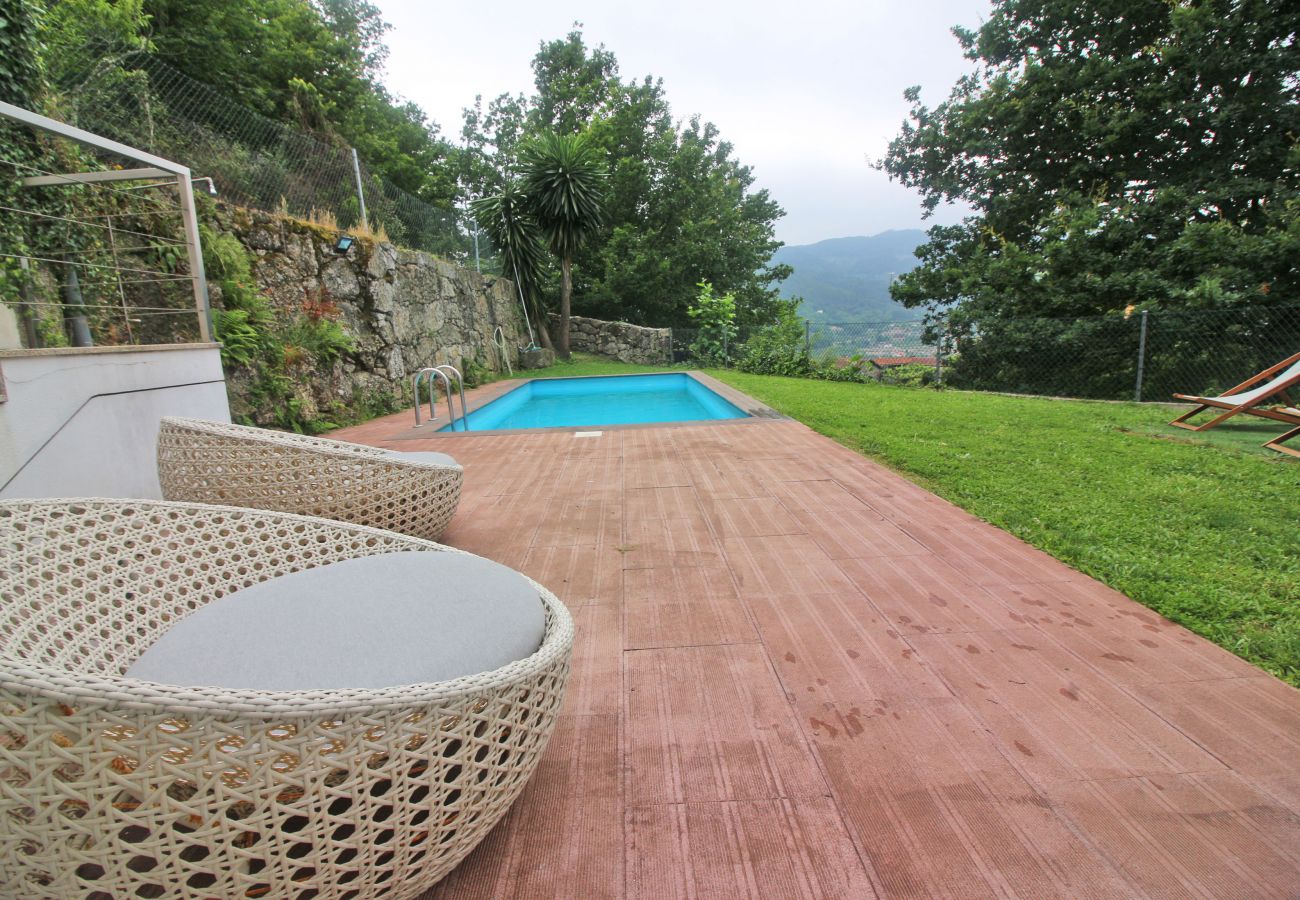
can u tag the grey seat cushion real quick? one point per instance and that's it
(424, 456)
(371, 622)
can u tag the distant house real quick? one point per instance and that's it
(882, 363)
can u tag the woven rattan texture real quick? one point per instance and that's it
(212, 462)
(113, 787)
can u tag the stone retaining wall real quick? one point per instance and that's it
(621, 341)
(404, 310)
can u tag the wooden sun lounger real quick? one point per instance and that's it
(1248, 396)
(1277, 442)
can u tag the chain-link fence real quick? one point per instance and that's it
(1142, 355)
(252, 160)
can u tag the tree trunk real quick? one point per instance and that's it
(543, 330)
(536, 312)
(566, 292)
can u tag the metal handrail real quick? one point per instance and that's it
(415, 391)
(499, 338)
(446, 373)
(451, 408)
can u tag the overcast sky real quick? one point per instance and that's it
(806, 91)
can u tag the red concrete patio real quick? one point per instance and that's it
(799, 675)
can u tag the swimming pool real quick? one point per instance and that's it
(602, 400)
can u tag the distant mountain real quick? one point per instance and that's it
(847, 279)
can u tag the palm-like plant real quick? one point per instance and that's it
(508, 221)
(564, 181)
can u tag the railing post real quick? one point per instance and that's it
(807, 337)
(361, 194)
(1142, 357)
(194, 254)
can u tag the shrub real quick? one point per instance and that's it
(910, 375)
(716, 317)
(475, 373)
(855, 368)
(778, 349)
(271, 349)
(241, 341)
(324, 340)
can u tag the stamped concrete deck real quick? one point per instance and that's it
(799, 675)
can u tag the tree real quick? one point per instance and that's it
(695, 218)
(491, 138)
(575, 87)
(563, 179)
(315, 63)
(679, 208)
(1116, 153)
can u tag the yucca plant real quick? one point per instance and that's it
(564, 181)
(507, 219)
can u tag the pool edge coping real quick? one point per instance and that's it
(479, 397)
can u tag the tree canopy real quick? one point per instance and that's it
(316, 64)
(679, 208)
(1118, 153)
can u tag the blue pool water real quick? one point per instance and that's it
(602, 400)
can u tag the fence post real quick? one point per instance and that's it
(194, 254)
(938, 360)
(1142, 356)
(361, 194)
(807, 337)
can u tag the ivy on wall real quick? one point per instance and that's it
(58, 229)
(271, 353)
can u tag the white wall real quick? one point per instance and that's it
(83, 422)
(9, 339)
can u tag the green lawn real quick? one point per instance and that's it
(1205, 533)
(1243, 433)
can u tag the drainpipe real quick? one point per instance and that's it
(74, 311)
(25, 313)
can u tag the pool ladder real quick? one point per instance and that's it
(447, 374)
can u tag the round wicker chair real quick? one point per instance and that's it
(234, 465)
(114, 787)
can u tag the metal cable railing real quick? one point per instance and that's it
(96, 254)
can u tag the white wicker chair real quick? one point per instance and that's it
(114, 787)
(214, 462)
